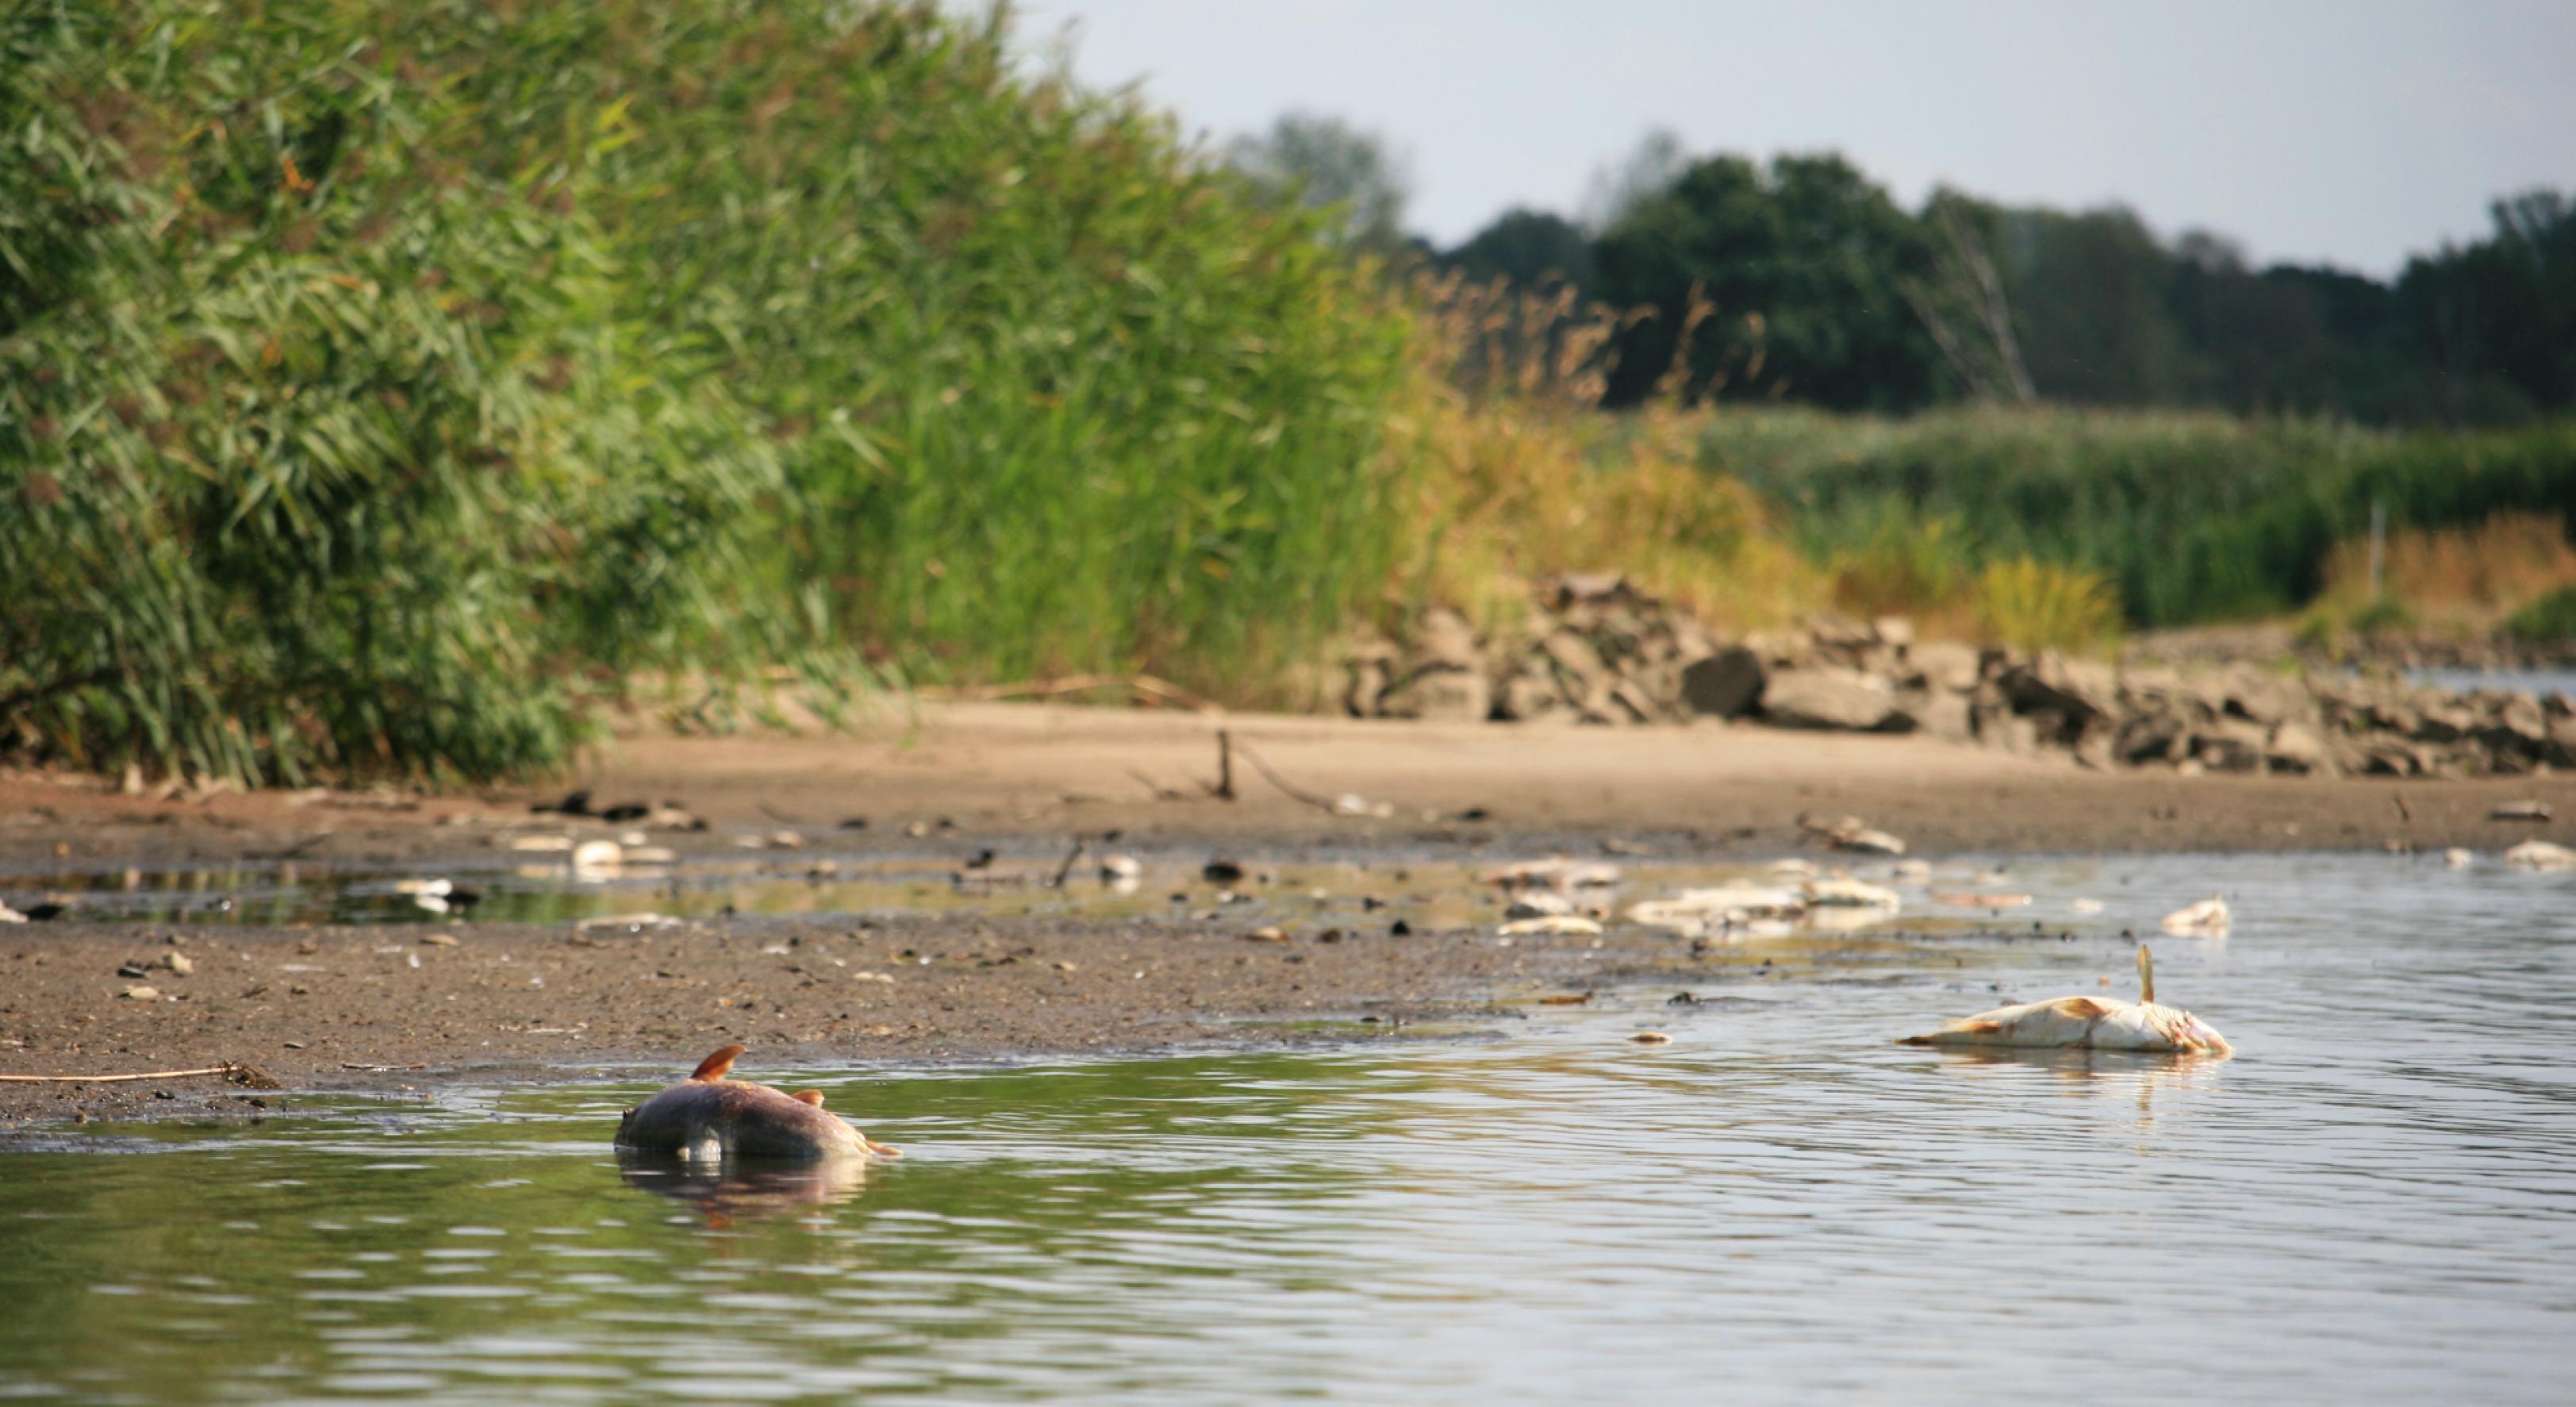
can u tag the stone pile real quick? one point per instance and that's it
(1596, 651)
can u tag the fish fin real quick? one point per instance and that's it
(715, 1066)
(2080, 1008)
(882, 1150)
(810, 1096)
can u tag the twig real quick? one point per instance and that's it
(1162, 690)
(226, 1069)
(1224, 788)
(1160, 791)
(2402, 813)
(777, 815)
(2146, 976)
(1282, 783)
(1079, 844)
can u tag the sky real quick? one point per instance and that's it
(2350, 133)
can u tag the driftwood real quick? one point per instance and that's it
(1145, 685)
(234, 1071)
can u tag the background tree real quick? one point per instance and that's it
(1802, 267)
(1327, 163)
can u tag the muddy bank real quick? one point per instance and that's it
(392, 1009)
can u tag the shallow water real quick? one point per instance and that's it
(2376, 1200)
(2540, 683)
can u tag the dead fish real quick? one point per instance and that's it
(2093, 1023)
(1843, 891)
(2089, 1023)
(1982, 901)
(1558, 873)
(708, 1118)
(2530, 855)
(2208, 918)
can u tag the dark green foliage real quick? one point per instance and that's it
(2551, 620)
(2192, 518)
(381, 389)
(1805, 263)
(1527, 249)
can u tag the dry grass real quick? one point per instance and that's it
(1521, 476)
(2473, 574)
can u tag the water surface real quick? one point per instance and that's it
(2375, 1201)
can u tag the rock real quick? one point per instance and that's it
(2295, 747)
(141, 994)
(1442, 639)
(2094, 748)
(1896, 632)
(1944, 666)
(1941, 714)
(1528, 697)
(2152, 737)
(2231, 745)
(2445, 722)
(1727, 684)
(2516, 726)
(2079, 689)
(2560, 751)
(1829, 698)
(1365, 686)
(1441, 696)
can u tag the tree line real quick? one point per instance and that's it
(1801, 279)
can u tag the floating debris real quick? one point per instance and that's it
(2208, 918)
(1651, 1038)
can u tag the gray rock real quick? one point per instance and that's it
(1441, 696)
(1526, 698)
(1943, 665)
(1727, 684)
(1941, 714)
(1442, 639)
(1839, 699)
(2231, 745)
(2080, 689)
(2295, 747)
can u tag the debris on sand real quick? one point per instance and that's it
(1851, 833)
(2521, 811)
(1552, 925)
(1727, 906)
(1976, 900)
(1557, 873)
(2208, 918)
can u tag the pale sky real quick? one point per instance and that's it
(2352, 133)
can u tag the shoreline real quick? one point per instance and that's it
(374, 1008)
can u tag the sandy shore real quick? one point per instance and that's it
(376, 1008)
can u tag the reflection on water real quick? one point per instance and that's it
(721, 1192)
(2376, 1199)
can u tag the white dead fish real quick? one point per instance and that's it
(2459, 859)
(2541, 855)
(1793, 869)
(425, 888)
(598, 855)
(2208, 918)
(1726, 905)
(2089, 1023)
(2085, 906)
(10, 915)
(1555, 925)
(1982, 901)
(1843, 891)
(1118, 867)
(536, 844)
